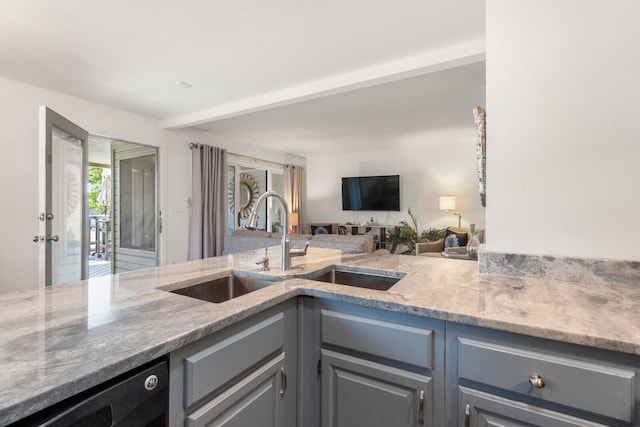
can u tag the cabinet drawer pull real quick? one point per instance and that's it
(421, 409)
(283, 386)
(467, 415)
(536, 380)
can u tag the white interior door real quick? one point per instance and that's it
(63, 200)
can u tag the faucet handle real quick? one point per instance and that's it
(299, 251)
(265, 264)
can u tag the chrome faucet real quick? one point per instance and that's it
(287, 253)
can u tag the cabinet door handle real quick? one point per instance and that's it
(467, 415)
(421, 409)
(536, 380)
(283, 386)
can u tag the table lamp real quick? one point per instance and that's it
(448, 204)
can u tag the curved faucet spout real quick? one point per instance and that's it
(252, 223)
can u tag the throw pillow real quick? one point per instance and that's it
(452, 239)
(321, 229)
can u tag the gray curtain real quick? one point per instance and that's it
(293, 191)
(208, 201)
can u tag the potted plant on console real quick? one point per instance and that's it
(408, 235)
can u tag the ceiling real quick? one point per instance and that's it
(391, 115)
(293, 75)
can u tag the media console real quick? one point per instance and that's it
(380, 237)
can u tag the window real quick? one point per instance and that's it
(248, 179)
(138, 203)
(276, 212)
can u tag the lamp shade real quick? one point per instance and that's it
(447, 203)
(293, 218)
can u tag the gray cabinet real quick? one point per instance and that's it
(489, 410)
(503, 379)
(312, 362)
(379, 368)
(243, 375)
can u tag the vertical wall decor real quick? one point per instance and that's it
(481, 152)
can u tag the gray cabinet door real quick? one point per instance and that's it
(480, 409)
(243, 375)
(257, 400)
(358, 392)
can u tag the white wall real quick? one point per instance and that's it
(429, 165)
(19, 172)
(563, 134)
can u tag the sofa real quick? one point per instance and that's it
(459, 235)
(245, 240)
(322, 228)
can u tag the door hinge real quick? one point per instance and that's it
(319, 367)
(42, 216)
(160, 223)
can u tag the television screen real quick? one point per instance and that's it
(371, 193)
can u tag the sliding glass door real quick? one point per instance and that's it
(246, 184)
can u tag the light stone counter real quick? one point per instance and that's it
(59, 341)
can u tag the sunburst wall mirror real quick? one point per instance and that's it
(248, 194)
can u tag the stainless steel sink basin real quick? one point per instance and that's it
(378, 280)
(224, 288)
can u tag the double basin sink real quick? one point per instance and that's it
(239, 283)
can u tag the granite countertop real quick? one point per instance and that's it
(58, 341)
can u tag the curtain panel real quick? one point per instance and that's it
(209, 199)
(293, 192)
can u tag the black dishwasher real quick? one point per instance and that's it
(138, 398)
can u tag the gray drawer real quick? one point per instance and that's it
(212, 367)
(583, 385)
(394, 341)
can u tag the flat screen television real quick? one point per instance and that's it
(371, 193)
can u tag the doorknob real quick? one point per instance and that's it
(52, 239)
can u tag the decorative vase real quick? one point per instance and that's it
(474, 242)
